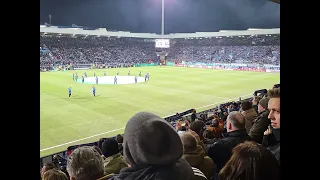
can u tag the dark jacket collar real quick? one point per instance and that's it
(236, 133)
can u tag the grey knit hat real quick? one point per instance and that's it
(150, 140)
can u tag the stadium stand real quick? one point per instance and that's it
(124, 52)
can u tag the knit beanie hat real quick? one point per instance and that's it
(150, 140)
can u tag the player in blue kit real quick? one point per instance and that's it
(82, 79)
(135, 79)
(69, 91)
(94, 91)
(115, 80)
(96, 80)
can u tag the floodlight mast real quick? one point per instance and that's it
(162, 17)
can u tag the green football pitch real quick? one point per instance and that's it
(83, 118)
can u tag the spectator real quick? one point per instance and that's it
(216, 127)
(272, 135)
(196, 129)
(249, 114)
(85, 163)
(209, 137)
(195, 155)
(261, 123)
(47, 167)
(255, 102)
(153, 149)
(119, 139)
(54, 174)
(221, 151)
(252, 161)
(113, 161)
(193, 115)
(197, 126)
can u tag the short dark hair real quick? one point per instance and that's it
(246, 105)
(208, 134)
(197, 126)
(119, 138)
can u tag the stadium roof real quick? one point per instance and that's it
(106, 33)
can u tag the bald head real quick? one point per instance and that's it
(189, 142)
(237, 120)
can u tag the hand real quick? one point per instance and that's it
(187, 124)
(254, 102)
(268, 131)
(178, 125)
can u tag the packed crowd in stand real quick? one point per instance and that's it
(239, 141)
(263, 49)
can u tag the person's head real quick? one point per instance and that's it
(252, 161)
(256, 100)
(47, 167)
(110, 147)
(274, 107)
(208, 134)
(197, 126)
(54, 174)
(189, 142)
(150, 140)
(235, 121)
(263, 104)
(214, 123)
(246, 105)
(119, 138)
(85, 163)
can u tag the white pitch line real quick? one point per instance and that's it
(45, 149)
(80, 139)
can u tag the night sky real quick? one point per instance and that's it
(144, 16)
